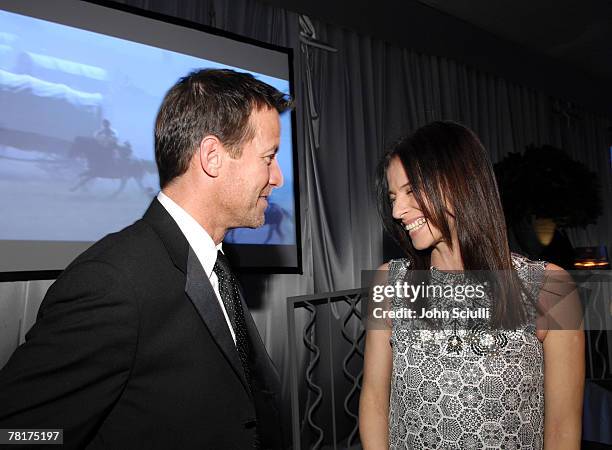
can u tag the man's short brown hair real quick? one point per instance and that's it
(215, 102)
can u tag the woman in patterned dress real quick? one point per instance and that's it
(511, 383)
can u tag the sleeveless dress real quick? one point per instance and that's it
(487, 392)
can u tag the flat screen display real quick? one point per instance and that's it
(80, 86)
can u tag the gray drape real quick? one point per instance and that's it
(367, 95)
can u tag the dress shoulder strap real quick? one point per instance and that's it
(397, 269)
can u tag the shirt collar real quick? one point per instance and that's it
(197, 237)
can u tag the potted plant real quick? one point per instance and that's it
(545, 187)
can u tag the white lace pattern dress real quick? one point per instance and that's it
(486, 393)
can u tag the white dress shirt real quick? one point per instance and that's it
(202, 245)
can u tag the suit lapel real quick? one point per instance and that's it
(200, 292)
(197, 286)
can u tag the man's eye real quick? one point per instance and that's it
(269, 158)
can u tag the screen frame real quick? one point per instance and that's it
(50, 274)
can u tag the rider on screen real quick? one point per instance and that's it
(107, 137)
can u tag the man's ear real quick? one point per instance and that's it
(211, 154)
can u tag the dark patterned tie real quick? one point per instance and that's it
(228, 288)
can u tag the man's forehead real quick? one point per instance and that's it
(267, 122)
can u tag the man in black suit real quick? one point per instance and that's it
(145, 341)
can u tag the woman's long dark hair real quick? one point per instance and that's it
(446, 164)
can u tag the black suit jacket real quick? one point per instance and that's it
(131, 350)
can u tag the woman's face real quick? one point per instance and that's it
(406, 209)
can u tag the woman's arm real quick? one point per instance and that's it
(563, 369)
(374, 399)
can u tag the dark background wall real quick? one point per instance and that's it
(563, 48)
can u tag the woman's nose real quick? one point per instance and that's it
(399, 209)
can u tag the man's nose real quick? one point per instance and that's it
(276, 174)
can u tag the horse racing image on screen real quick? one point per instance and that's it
(76, 133)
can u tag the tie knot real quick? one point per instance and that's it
(222, 266)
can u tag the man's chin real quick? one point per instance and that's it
(254, 223)
(260, 223)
